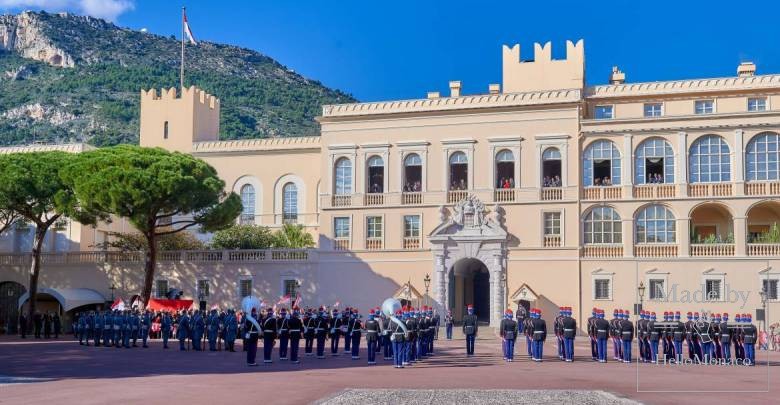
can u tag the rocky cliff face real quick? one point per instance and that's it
(22, 34)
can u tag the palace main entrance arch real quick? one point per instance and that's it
(469, 252)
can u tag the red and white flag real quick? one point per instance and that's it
(284, 300)
(187, 30)
(118, 305)
(297, 302)
(336, 305)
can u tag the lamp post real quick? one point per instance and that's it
(641, 290)
(112, 288)
(427, 281)
(763, 296)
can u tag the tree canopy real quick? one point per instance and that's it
(158, 192)
(293, 236)
(32, 189)
(243, 237)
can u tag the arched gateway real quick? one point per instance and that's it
(469, 250)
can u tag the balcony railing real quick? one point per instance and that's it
(411, 243)
(712, 249)
(762, 188)
(344, 200)
(374, 199)
(412, 198)
(763, 249)
(655, 191)
(373, 243)
(454, 196)
(602, 193)
(551, 193)
(602, 251)
(655, 250)
(504, 195)
(198, 256)
(341, 244)
(552, 241)
(710, 190)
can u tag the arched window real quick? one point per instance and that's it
(761, 161)
(655, 224)
(551, 168)
(601, 164)
(459, 171)
(412, 173)
(654, 162)
(248, 201)
(709, 160)
(603, 225)
(375, 181)
(343, 176)
(290, 203)
(505, 169)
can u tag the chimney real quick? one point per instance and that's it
(617, 77)
(433, 94)
(455, 88)
(746, 69)
(494, 88)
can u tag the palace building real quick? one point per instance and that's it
(542, 192)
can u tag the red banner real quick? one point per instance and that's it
(169, 305)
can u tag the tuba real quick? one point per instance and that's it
(248, 304)
(389, 308)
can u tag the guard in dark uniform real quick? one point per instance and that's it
(655, 337)
(283, 331)
(309, 333)
(614, 333)
(715, 334)
(411, 337)
(737, 337)
(508, 331)
(689, 335)
(749, 338)
(251, 336)
(437, 325)
(725, 338)
(569, 325)
(601, 331)
(528, 332)
(387, 330)
(336, 324)
(146, 326)
(470, 329)
(270, 327)
(182, 330)
(627, 336)
(590, 325)
(449, 322)
(355, 334)
(422, 334)
(373, 331)
(397, 337)
(558, 331)
(539, 333)
(321, 328)
(296, 334)
(678, 334)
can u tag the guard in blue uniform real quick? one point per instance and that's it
(398, 337)
(654, 337)
(336, 325)
(725, 338)
(99, 323)
(166, 323)
(508, 331)
(470, 329)
(321, 328)
(146, 326)
(678, 334)
(590, 328)
(355, 334)
(558, 331)
(283, 331)
(601, 331)
(373, 331)
(627, 336)
(539, 333)
(212, 324)
(135, 327)
(251, 335)
(296, 334)
(309, 334)
(749, 338)
(183, 330)
(231, 330)
(126, 329)
(433, 329)
(569, 332)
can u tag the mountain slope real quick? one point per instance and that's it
(73, 78)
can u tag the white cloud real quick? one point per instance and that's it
(106, 9)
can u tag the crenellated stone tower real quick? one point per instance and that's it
(543, 72)
(174, 123)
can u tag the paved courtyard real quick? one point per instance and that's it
(53, 372)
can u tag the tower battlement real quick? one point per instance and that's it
(174, 122)
(543, 72)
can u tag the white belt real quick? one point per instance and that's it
(295, 330)
(268, 330)
(538, 332)
(602, 330)
(567, 329)
(626, 333)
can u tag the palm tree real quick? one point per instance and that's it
(293, 236)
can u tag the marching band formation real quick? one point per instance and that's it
(409, 335)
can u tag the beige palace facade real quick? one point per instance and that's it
(541, 192)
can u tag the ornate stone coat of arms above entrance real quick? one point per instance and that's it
(470, 231)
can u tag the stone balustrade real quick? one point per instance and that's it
(712, 249)
(193, 256)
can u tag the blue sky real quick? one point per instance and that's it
(401, 49)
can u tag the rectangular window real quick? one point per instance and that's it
(552, 224)
(411, 226)
(374, 227)
(291, 288)
(604, 112)
(161, 288)
(165, 130)
(245, 287)
(601, 289)
(341, 227)
(770, 287)
(656, 289)
(653, 110)
(704, 107)
(712, 289)
(757, 104)
(203, 288)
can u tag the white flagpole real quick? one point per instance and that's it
(181, 74)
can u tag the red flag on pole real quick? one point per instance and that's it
(297, 303)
